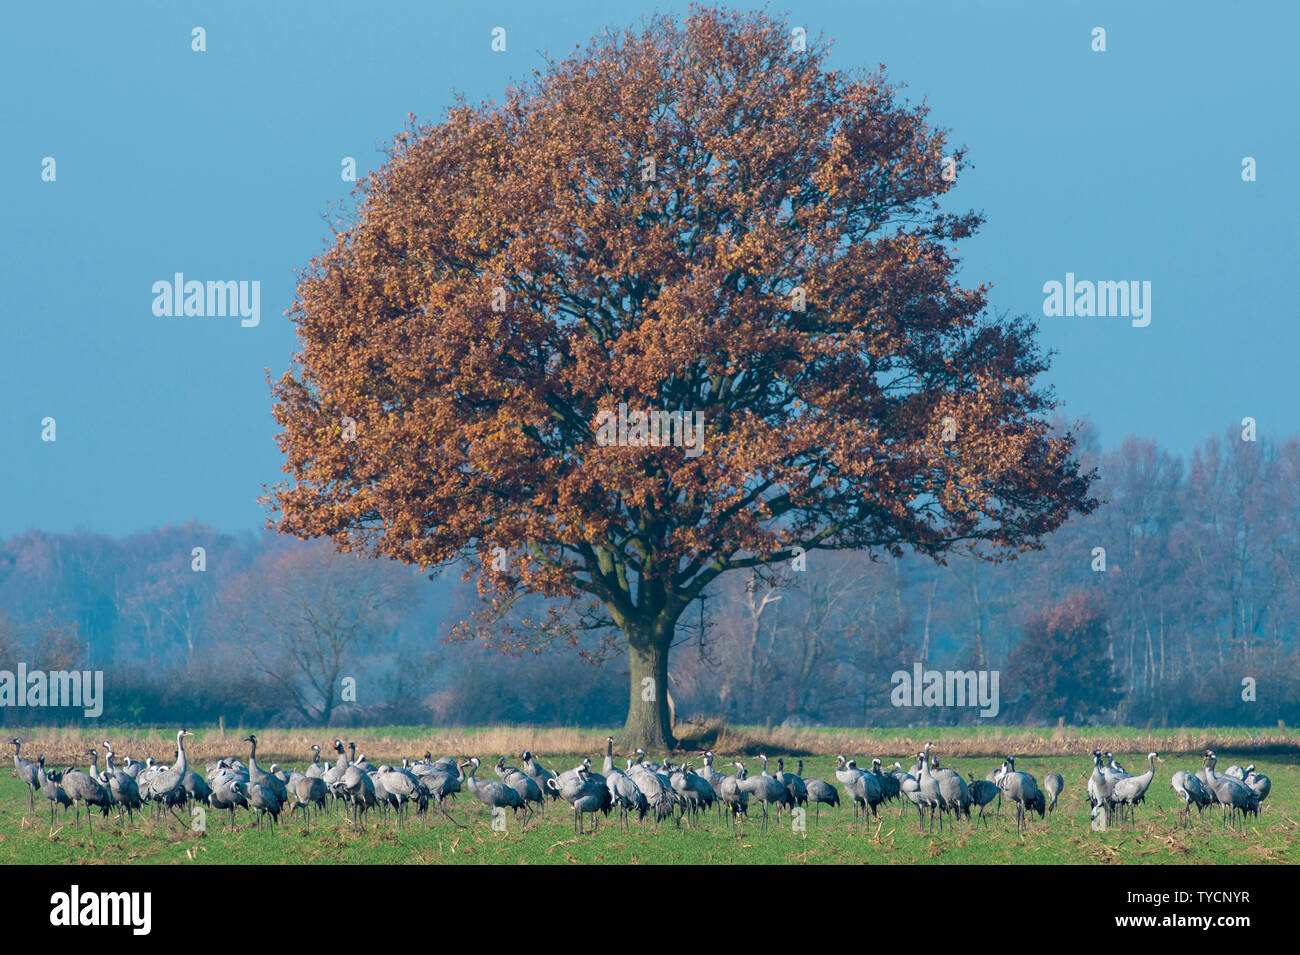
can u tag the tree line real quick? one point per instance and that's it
(1174, 603)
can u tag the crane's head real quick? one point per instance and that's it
(526, 755)
(93, 753)
(16, 741)
(250, 738)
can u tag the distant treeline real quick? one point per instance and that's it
(1175, 603)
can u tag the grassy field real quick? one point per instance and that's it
(1065, 836)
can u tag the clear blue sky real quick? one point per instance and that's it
(1117, 165)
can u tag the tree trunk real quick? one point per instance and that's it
(649, 722)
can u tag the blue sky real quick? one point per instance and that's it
(1123, 165)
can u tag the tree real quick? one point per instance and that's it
(305, 615)
(695, 218)
(1060, 668)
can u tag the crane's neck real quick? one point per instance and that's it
(181, 763)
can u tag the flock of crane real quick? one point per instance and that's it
(646, 790)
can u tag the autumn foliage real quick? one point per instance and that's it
(1060, 669)
(691, 216)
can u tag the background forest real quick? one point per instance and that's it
(1199, 592)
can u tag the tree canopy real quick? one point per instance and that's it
(696, 216)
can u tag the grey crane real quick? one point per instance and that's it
(352, 785)
(658, 790)
(315, 769)
(931, 798)
(982, 792)
(731, 798)
(819, 792)
(1258, 782)
(793, 782)
(26, 771)
(86, 790)
(403, 787)
(994, 777)
(265, 802)
(383, 798)
(491, 792)
(1022, 789)
(1191, 791)
(1231, 794)
(122, 787)
(1098, 784)
(581, 790)
(708, 773)
(887, 782)
(167, 787)
(763, 789)
(693, 791)
(228, 791)
(539, 773)
(1129, 791)
(445, 764)
(658, 771)
(953, 792)
(441, 786)
(306, 792)
(521, 783)
(260, 776)
(51, 789)
(361, 763)
(625, 795)
(858, 786)
(1053, 783)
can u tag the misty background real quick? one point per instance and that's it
(1200, 591)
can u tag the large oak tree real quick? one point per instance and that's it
(696, 215)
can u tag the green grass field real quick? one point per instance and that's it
(1063, 837)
